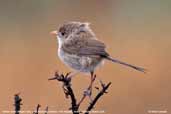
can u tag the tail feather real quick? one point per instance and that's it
(126, 64)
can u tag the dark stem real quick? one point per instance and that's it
(66, 80)
(37, 109)
(92, 104)
(67, 90)
(17, 103)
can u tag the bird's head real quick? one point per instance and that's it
(70, 28)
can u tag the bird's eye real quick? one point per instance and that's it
(62, 33)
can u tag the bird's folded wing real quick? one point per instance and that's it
(84, 47)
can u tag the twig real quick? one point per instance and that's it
(92, 104)
(66, 80)
(46, 110)
(17, 103)
(37, 109)
(67, 90)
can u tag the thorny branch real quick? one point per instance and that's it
(69, 92)
(17, 103)
(92, 104)
(37, 109)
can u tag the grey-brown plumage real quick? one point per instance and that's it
(81, 50)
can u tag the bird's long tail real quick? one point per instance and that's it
(126, 64)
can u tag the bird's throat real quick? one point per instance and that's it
(60, 42)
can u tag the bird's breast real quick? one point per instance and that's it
(80, 63)
(69, 59)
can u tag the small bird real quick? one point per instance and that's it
(79, 48)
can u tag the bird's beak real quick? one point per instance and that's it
(54, 33)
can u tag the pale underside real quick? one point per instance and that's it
(80, 63)
(82, 55)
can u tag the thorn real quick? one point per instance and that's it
(17, 94)
(54, 78)
(96, 88)
(38, 105)
(62, 76)
(102, 84)
(68, 74)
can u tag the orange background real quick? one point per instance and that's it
(137, 32)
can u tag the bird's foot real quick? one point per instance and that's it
(88, 93)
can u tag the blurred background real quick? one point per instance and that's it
(135, 31)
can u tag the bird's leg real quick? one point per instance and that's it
(88, 91)
(91, 83)
(82, 99)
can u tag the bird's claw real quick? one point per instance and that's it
(88, 92)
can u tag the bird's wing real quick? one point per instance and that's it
(84, 47)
